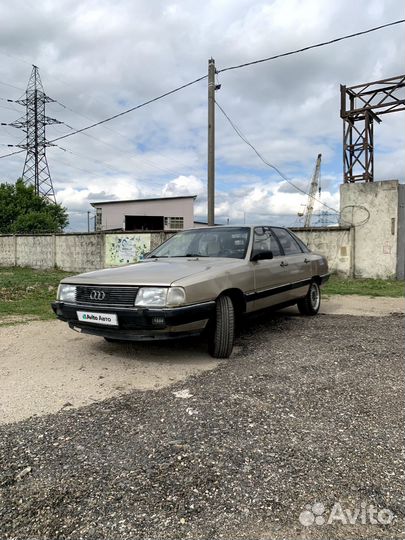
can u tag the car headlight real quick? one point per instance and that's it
(176, 296)
(160, 296)
(67, 293)
(151, 296)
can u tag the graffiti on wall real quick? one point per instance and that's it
(123, 249)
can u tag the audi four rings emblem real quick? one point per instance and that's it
(97, 295)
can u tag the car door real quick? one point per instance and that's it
(270, 276)
(296, 264)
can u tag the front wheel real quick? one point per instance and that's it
(311, 303)
(223, 332)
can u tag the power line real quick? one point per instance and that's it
(8, 108)
(218, 71)
(283, 176)
(311, 46)
(16, 57)
(12, 86)
(148, 162)
(230, 121)
(157, 98)
(12, 153)
(106, 164)
(228, 69)
(112, 130)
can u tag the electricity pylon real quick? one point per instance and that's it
(36, 170)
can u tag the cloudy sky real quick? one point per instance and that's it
(100, 57)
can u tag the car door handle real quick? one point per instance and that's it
(283, 263)
(306, 260)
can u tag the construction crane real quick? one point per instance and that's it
(313, 188)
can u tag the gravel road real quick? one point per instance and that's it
(309, 410)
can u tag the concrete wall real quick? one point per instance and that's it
(113, 213)
(335, 243)
(36, 251)
(92, 251)
(372, 208)
(77, 252)
(7, 250)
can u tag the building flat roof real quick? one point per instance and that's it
(143, 200)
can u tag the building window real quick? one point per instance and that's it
(174, 223)
(99, 219)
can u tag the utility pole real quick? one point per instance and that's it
(88, 220)
(36, 170)
(211, 142)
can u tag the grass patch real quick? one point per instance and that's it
(28, 293)
(364, 287)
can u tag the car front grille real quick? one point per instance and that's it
(106, 295)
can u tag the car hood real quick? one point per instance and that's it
(160, 272)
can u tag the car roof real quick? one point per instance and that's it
(216, 227)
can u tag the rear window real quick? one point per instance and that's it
(303, 246)
(287, 241)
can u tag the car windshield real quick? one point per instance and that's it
(231, 242)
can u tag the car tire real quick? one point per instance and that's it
(222, 333)
(311, 303)
(111, 340)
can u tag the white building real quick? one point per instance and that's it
(159, 214)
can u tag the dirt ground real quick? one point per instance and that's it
(353, 304)
(45, 367)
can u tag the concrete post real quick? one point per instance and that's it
(15, 250)
(54, 250)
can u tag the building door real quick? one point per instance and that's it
(144, 223)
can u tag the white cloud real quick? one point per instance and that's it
(183, 185)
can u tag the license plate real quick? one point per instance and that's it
(109, 319)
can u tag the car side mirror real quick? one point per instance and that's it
(262, 255)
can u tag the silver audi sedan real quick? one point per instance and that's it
(199, 280)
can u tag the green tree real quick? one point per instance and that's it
(22, 211)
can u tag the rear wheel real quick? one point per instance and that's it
(222, 334)
(311, 303)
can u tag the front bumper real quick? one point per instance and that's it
(139, 324)
(324, 278)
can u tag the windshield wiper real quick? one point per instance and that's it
(195, 255)
(189, 255)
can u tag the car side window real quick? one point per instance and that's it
(264, 240)
(288, 243)
(302, 245)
